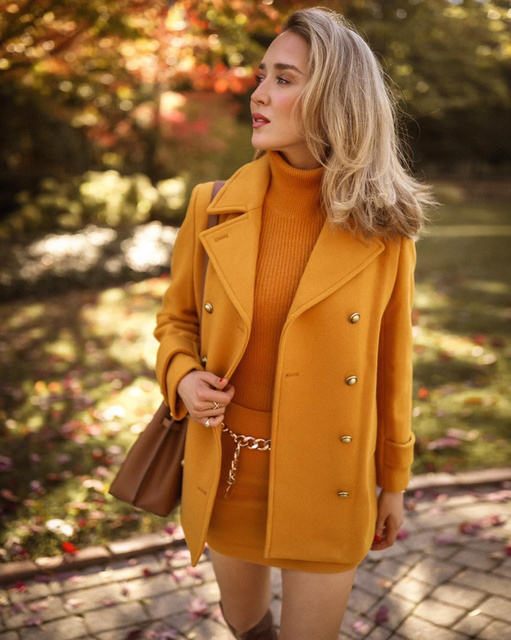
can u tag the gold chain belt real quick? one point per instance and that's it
(256, 444)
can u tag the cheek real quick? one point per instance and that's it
(286, 105)
(288, 110)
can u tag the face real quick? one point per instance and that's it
(281, 80)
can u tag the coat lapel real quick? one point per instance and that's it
(337, 257)
(232, 247)
(233, 244)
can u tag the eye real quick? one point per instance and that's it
(259, 79)
(281, 80)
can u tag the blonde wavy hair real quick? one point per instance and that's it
(348, 115)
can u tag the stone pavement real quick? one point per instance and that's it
(447, 578)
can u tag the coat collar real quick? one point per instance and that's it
(232, 246)
(245, 190)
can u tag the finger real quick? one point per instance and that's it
(214, 381)
(391, 532)
(214, 401)
(213, 421)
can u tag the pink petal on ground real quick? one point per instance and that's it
(33, 622)
(178, 575)
(198, 608)
(36, 607)
(444, 539)
(195, 573)
(72, 604)
(108, 602)
(361, 627)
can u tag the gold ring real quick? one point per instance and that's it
(216, 405)
(207, 422)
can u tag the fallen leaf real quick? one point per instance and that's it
(33, 622)
(198, 608)
(195, 573)
(443, 539)
(36, 607)
(72, 604)
(361, 627)
(69, 547)
(382, 615)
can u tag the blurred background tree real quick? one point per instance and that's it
(162, 87)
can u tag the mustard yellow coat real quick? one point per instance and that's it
(342, 403)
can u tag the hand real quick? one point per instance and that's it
(201, 392)
(390, 519)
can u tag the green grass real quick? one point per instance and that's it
(462, 402)
(77, 383)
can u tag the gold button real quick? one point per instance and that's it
(355, 317)
(346, 439)
(343, 494)
(208, 307)
(351, 380)
(204, 359)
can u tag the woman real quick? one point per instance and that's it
(298, 387)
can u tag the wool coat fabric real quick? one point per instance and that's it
(342, 400)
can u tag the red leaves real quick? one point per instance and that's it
(423, 393)
(69, 547)
(474, 527)
(382, 615)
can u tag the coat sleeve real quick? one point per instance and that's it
(395, 440)
(178, 322)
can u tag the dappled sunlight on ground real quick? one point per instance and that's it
(77, 386)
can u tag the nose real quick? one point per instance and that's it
(260, 94)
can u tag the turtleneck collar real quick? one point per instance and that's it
(297, 187)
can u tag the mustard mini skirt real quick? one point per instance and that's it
(238, 522)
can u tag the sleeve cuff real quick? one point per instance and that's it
(394, 474)
(179, 366)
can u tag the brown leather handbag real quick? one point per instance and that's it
(152, 473)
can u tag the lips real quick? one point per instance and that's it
(258, 120)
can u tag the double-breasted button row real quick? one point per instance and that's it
(344, 440)
(351, 380)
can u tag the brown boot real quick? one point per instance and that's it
(264, 630)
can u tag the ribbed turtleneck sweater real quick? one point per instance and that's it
(291, 222)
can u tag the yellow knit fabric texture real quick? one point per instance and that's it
(291, 222)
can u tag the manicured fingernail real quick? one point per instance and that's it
(222, 379)
(376, 539)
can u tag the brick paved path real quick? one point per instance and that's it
(448, 578)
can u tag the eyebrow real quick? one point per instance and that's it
(282, 66)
